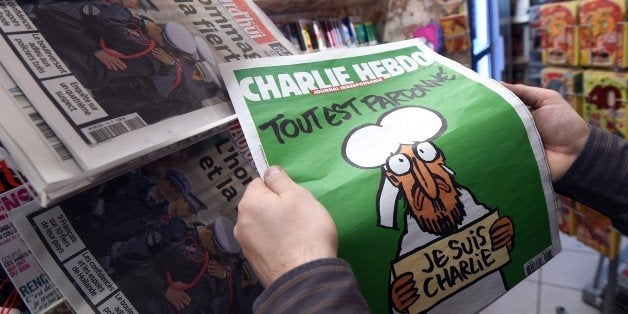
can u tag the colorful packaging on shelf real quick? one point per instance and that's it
(455, 30)
(596, 232)
(306, 36)
(431, 34)
(559, 33)
(566, 81)
(605, 100)
(567, 218)
(602, 33)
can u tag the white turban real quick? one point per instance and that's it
(370, 146)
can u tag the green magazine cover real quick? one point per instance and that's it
(435, 176)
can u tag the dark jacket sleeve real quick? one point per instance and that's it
(598, 177)
(321, 286)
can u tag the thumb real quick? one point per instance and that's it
(278, 180)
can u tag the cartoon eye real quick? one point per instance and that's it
(399, 164)
(425, 151)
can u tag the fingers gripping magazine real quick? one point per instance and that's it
(116, 79)
(155, 240)
(435, 176)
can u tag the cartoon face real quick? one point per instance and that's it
(600, 18)
(413, 168)
(427, 184)
(556, 26)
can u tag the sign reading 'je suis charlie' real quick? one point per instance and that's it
(435, 176)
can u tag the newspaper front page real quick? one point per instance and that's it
(52, 172)
(435, 176)
(116, 80)
(33, 285)
(147, 240)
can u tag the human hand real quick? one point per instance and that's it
(281, 226)
(163, 56)
(111, 62)
(502, 234)
(404, 292)
(178, 298)
(562, 130)
(216, 270)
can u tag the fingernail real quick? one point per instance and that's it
(272, 171)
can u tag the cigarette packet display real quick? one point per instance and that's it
(566, 81)
(605, 100)
(559, 32)
(603, 33)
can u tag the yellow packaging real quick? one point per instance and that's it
(604, 106)
(567, 218)
(603, 33)
(559, 33)
(566, 81)
(595, 231)
(455, 33)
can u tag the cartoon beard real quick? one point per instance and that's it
(442, 215)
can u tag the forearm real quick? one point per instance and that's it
(321, 286)
(598, 177)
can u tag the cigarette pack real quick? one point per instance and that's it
(603, 33)
(455, 33)
(567, 218)
(605, 100)
(566, 81)
(559, 33)
(595, 231)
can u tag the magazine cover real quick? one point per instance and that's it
(116, 79)
(435, 176)
(158, 239)
(32, 284)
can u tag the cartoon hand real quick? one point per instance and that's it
(404, 292)
(216, 270)
(502, 234)
(111, 62)
(178, 298)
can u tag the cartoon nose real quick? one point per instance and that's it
(424, 177)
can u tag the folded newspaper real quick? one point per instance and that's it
(32, 284)
(158, 239)
(435, 176)
(52, 171)
(116, 80)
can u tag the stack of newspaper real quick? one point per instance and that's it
(92, 89)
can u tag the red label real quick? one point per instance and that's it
(248, 20)
(7, 179)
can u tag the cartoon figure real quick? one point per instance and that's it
(558, 36)
(414, 169)
(600, 36)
